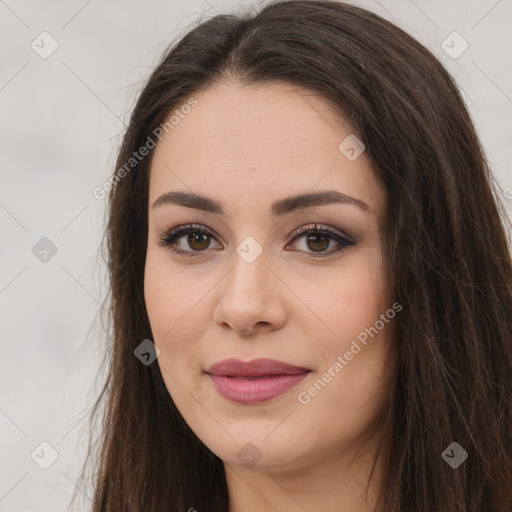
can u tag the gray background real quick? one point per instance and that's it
(61, 121)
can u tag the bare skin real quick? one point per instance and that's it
(246, 148)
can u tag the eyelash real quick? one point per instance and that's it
(168, 238)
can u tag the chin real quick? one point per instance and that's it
(252, 448)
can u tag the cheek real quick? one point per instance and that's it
(176, 306)
(352, 376)
(347, 301)
(345, 398)
(172, 299)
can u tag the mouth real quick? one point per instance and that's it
(256, 381)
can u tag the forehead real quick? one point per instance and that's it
(260, 142)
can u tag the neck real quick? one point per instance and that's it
(335, 483)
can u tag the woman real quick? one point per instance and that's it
(310, 279)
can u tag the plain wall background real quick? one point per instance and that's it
(61, 122)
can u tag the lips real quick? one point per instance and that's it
(256, 381)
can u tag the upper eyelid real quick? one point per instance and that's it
(300, 231)
(321, 228)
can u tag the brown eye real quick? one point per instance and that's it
(192, 240)
(189, 240)
(318, 242)
(198, 241)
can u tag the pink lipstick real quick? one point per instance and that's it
(256, 381)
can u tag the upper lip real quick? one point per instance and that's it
(254, 368)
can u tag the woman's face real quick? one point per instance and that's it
(245, 285)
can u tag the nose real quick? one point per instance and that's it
(250, 298)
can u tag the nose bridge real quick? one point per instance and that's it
(247, 297)
(247, 281)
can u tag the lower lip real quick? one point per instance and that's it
(255, 390)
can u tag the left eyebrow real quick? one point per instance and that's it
(278, 209)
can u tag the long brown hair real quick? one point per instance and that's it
(445, 247)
